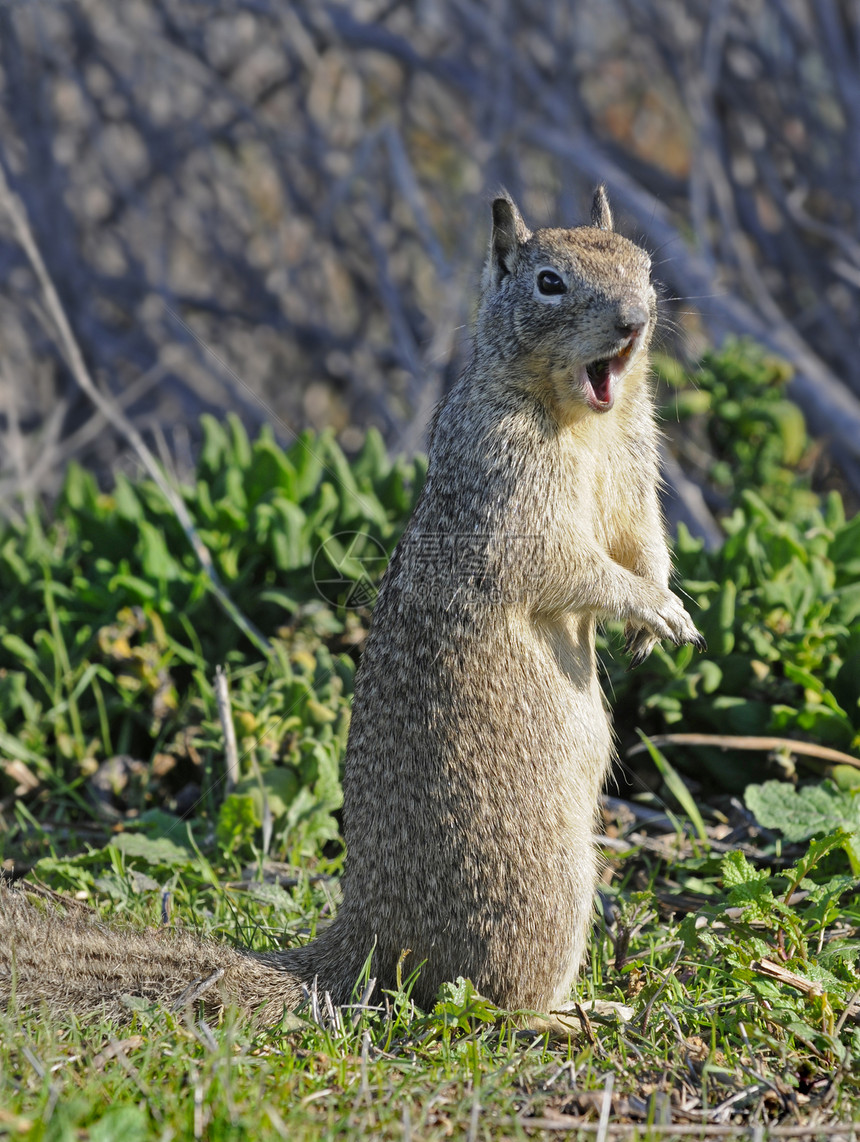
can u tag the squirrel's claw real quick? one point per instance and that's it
(640, 641)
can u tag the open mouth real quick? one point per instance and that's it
(600, 377)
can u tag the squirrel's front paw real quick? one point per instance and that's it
(668, 620)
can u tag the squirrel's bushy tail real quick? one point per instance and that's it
(66, 959)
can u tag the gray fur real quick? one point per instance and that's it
(480, 740)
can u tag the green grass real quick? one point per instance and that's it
(708, 1030)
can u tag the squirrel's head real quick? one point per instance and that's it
(570, 312)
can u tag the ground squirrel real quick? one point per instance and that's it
(480, 739)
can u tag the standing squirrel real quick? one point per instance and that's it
(480, 739)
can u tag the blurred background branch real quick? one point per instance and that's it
(305, 185)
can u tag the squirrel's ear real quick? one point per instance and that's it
(509, 233)
(601, 215)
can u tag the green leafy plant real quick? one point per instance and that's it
(109, 634)
(810, 811)
(778, 602)
(739, 425)
(770, 929)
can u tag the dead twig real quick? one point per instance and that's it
(733, 741)
(776, 971)
(225, 716)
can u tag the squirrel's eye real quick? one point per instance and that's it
(548, 281)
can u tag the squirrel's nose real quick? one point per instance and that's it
(631, 320)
